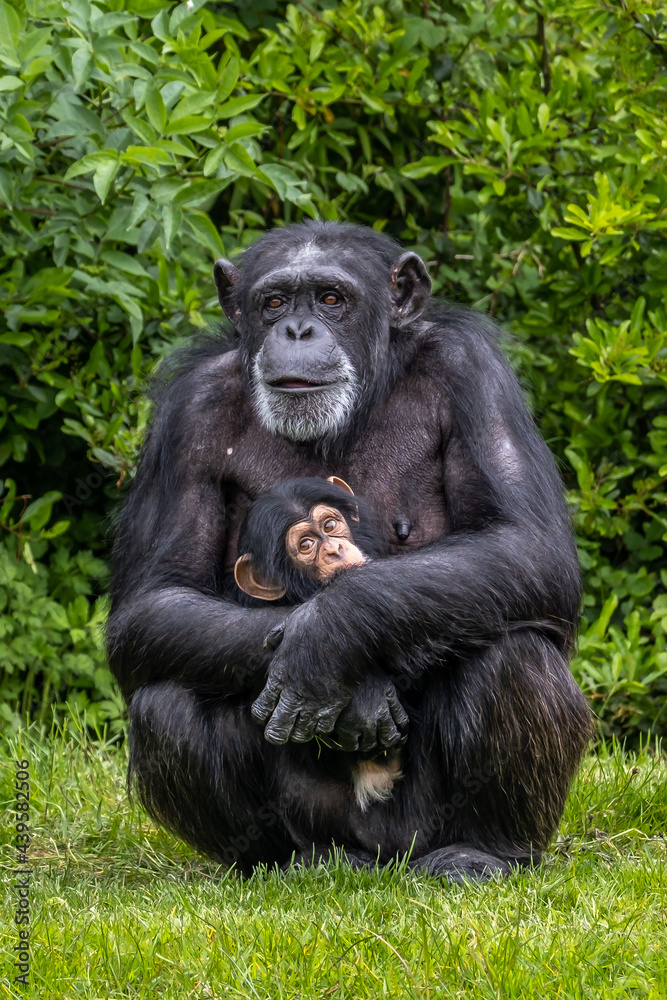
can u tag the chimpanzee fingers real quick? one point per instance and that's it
(400, 716)
(388, 734)
(304, 727)
(280, 726)
(315, 722)
(266, 701)
(327, 721)
(274, 637)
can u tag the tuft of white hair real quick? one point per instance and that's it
(373, 780)
(306, 416)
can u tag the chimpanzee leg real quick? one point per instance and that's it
(501, 734)
(202, 768)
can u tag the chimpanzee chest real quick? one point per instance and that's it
(399, 471)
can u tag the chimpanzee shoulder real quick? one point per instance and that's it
(206, 371)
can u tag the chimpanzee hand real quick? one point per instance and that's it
(275, 636)
(306, 688)
(374, 717)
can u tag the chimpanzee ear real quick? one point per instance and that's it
(226, 278)
(348, 489)
(410, 288)
(251, 582)
(340, 482)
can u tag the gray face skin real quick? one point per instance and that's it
(314, 327)
(304, 385)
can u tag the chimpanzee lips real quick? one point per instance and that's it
(297, 384)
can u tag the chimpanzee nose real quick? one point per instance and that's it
(299, 330)
(333, 548)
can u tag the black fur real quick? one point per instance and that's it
(472, 615)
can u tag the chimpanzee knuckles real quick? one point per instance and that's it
(374, 717)
(341, 483)
(251, 582)
(226, 277)
(290, 716)
(410, 289)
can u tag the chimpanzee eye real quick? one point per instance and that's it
(274, 302)
(330, 524)
(331, 298)
(306, 544)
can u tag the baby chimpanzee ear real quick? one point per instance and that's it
(340, 482)
(336, 481)
(251, 582)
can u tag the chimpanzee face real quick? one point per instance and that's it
(317, 547)
(304, 382)
(314, 307)
(301, 533)
(322, 545)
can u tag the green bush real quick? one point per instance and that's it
(521, 149)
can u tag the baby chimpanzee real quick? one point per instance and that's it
(294, 540)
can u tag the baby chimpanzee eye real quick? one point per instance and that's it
(330, 524)
(305, 545)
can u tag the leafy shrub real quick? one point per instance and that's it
(520, 149)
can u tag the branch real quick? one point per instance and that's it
(546, 68)
(30, 211)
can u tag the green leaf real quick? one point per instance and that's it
(238, 105)
(124, 262)
(151, 156)
(155, 109)
(284, 180)
(10, 83)
(228, 79)
(543, 117)
(564, 233)
(103, 178)
(10, 26)
(182, 12)
(245, 130)
(171, 221)
(91, 162)
(190, 123)
(214, 159)
(205, 232)
(427, 166)
(499, 131)
(6, 187)
(82, 64)
(17, 339)
(637, 314)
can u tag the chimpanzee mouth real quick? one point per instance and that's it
(298, 385)
(301, 408)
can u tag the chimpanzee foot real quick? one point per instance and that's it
(323, 854)
(463, 861)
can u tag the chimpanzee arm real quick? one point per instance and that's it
(508, 559)
(167, 619)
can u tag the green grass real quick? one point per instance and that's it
(121, 909)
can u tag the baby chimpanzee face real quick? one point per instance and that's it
(300, 534)
(323, 544)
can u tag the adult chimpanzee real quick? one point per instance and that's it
(294, 540)
(341, 365)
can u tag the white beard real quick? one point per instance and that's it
(306, 416)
